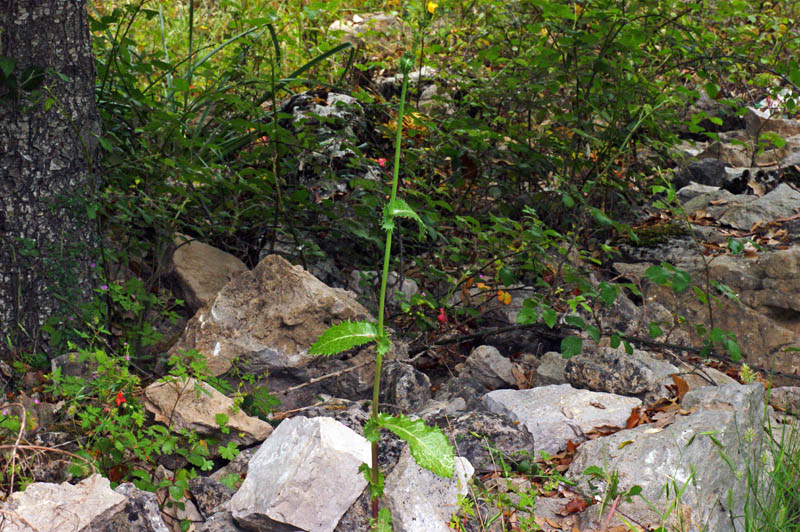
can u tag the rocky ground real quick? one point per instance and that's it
(654, 418)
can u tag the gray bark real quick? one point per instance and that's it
(45, 159)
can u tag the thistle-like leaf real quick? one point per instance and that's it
(428, 445)
(344, 336)
(384, 522)
(400, 208)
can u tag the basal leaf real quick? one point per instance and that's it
(384, 522)
(428, 445)
(344, 336)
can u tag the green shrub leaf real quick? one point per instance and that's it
(571, 346)
(428, 445)
(344, 336)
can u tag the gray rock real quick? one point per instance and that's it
(557, 413)
(209, 495)
(781, 202)
(268, 318)
(139, 514)
(552, 369)
(682, 455)
(488, 367)
(604, 369)
(421, 501)
(59, 507)
(486, 439)
(707, 171)
(692, 190)
(404, 386)
(202, 270)
(189, 404)
(785, 398)
(306, 463)
(237, 466)
(465, 388)
(220, 522)
(72, 365)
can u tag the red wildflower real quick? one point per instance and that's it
(382, 162)
(120, 398)
(442, 317)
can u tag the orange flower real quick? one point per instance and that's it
(504, 297)
(120, 398)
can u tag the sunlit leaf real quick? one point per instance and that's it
(344, 336)
(428, 445)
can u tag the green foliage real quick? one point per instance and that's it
(428, 445)
(344, 336)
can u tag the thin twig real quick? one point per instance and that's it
(323, 377)
(24, 521)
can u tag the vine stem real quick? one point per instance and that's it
(387, 252)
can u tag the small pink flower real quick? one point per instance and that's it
(103, 287)
(382, 162)
(442, 317)
(128, 358)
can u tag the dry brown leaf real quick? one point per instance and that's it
(680, 386)
(575, 505)
(523, 380)
(553, 523)
(634, 419)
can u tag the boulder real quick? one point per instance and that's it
(404, 387)
(487, 440)
(58, 507)
(604, 369)
(765, 319)
(557, 413)
(192, 405)
(304, 476)
(202, 270)
(421, 501)
(685, 457)
(487, 366)
(268, 318)
(552, 369)
(140, 513)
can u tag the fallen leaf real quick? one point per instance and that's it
(654, 430)
(571, 446)
(634, 419)
(576, 505)
(681, 386)
(623, 444)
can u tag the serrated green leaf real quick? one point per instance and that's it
(615, 340)
(344, 336)
(608, 292)
(507, 276)
(384, 522)
(527, 316)
(372, 431)
(681, 281)
(400, 208)
(384, 344)
(428, 445)
(733, 349)
(655, 331)
(575, 321)
(549, 317)
(571, 346)
(593, 332)
(657, 274)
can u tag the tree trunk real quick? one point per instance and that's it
(48, 128)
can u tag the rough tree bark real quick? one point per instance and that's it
(48, 128)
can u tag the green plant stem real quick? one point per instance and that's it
(384, 277)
